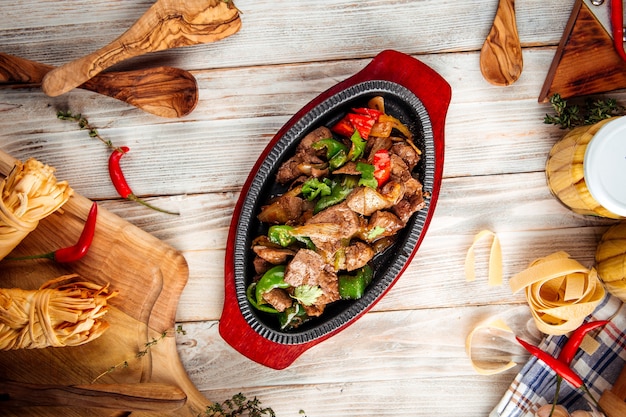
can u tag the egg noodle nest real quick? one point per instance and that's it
(28, 194)
(65, 311)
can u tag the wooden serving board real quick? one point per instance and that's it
(585, 62)
(149, 276)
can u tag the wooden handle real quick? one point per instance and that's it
(14, 69)
(127, 397)
(501, 55)
(166, 24)
(162, 91)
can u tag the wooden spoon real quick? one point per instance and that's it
(166, 24)
(149, 396)
(501, 55)
(162, 91)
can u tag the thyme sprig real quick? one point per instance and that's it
(569, 116)
(147, 346)
(84, 124)
(239, 405)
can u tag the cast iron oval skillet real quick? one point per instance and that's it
(416, 95)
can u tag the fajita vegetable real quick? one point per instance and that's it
(28, 194)
(350, 190)
(66, 311)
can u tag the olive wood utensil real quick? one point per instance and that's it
(501, 55)
(166, 24)
(150, 396)
(162, 91)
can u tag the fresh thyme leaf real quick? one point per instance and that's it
(239, 405)
(569, 116)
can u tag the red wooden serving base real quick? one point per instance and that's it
(435, 94)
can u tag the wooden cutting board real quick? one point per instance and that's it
(149, 276)
(585, 62)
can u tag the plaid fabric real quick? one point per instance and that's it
(535, 385)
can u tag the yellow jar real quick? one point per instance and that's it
(586, 169)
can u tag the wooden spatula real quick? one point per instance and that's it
(162, 91)
(166, 24)
(149, 396)
(501, 59)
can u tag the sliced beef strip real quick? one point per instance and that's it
(305, 154)
(304, 269)
(339, 214)
(405, 208)
(407, 153)
(358, 255)
(273, 255)
(283, 210)
(388, 221)
(309, 268)
(329, 284)
(278, 298)
(399, 170)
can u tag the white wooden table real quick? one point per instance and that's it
(406, 356)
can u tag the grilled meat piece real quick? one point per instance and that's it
(357, 256)
(407, 153)
(305, 157)
(278, 298)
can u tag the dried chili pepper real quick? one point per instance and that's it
(120, 183)
(560, 368)
(573, 343)
(75, 252)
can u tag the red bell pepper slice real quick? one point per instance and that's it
(361, 119)
(362, 123)
(343, 127)
(375, 114)
(382, 166)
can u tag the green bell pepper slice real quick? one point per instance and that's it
(333, 147)
(281, 235)
(273, 278)
(352, 287)
(358, 146)
(250, 295)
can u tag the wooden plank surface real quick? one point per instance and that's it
(405, 357)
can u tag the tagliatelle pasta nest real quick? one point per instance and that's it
(65, 311)
(560, 292)
(28, 194)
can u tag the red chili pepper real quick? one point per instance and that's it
(561, 368)
(77, 251)
(382, 166)
(573, 343)
(119, 181)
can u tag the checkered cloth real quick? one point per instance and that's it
(535, 385)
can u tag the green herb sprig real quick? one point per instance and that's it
(239, 405)
(569, 116)
(84, 124)
(147, 346)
